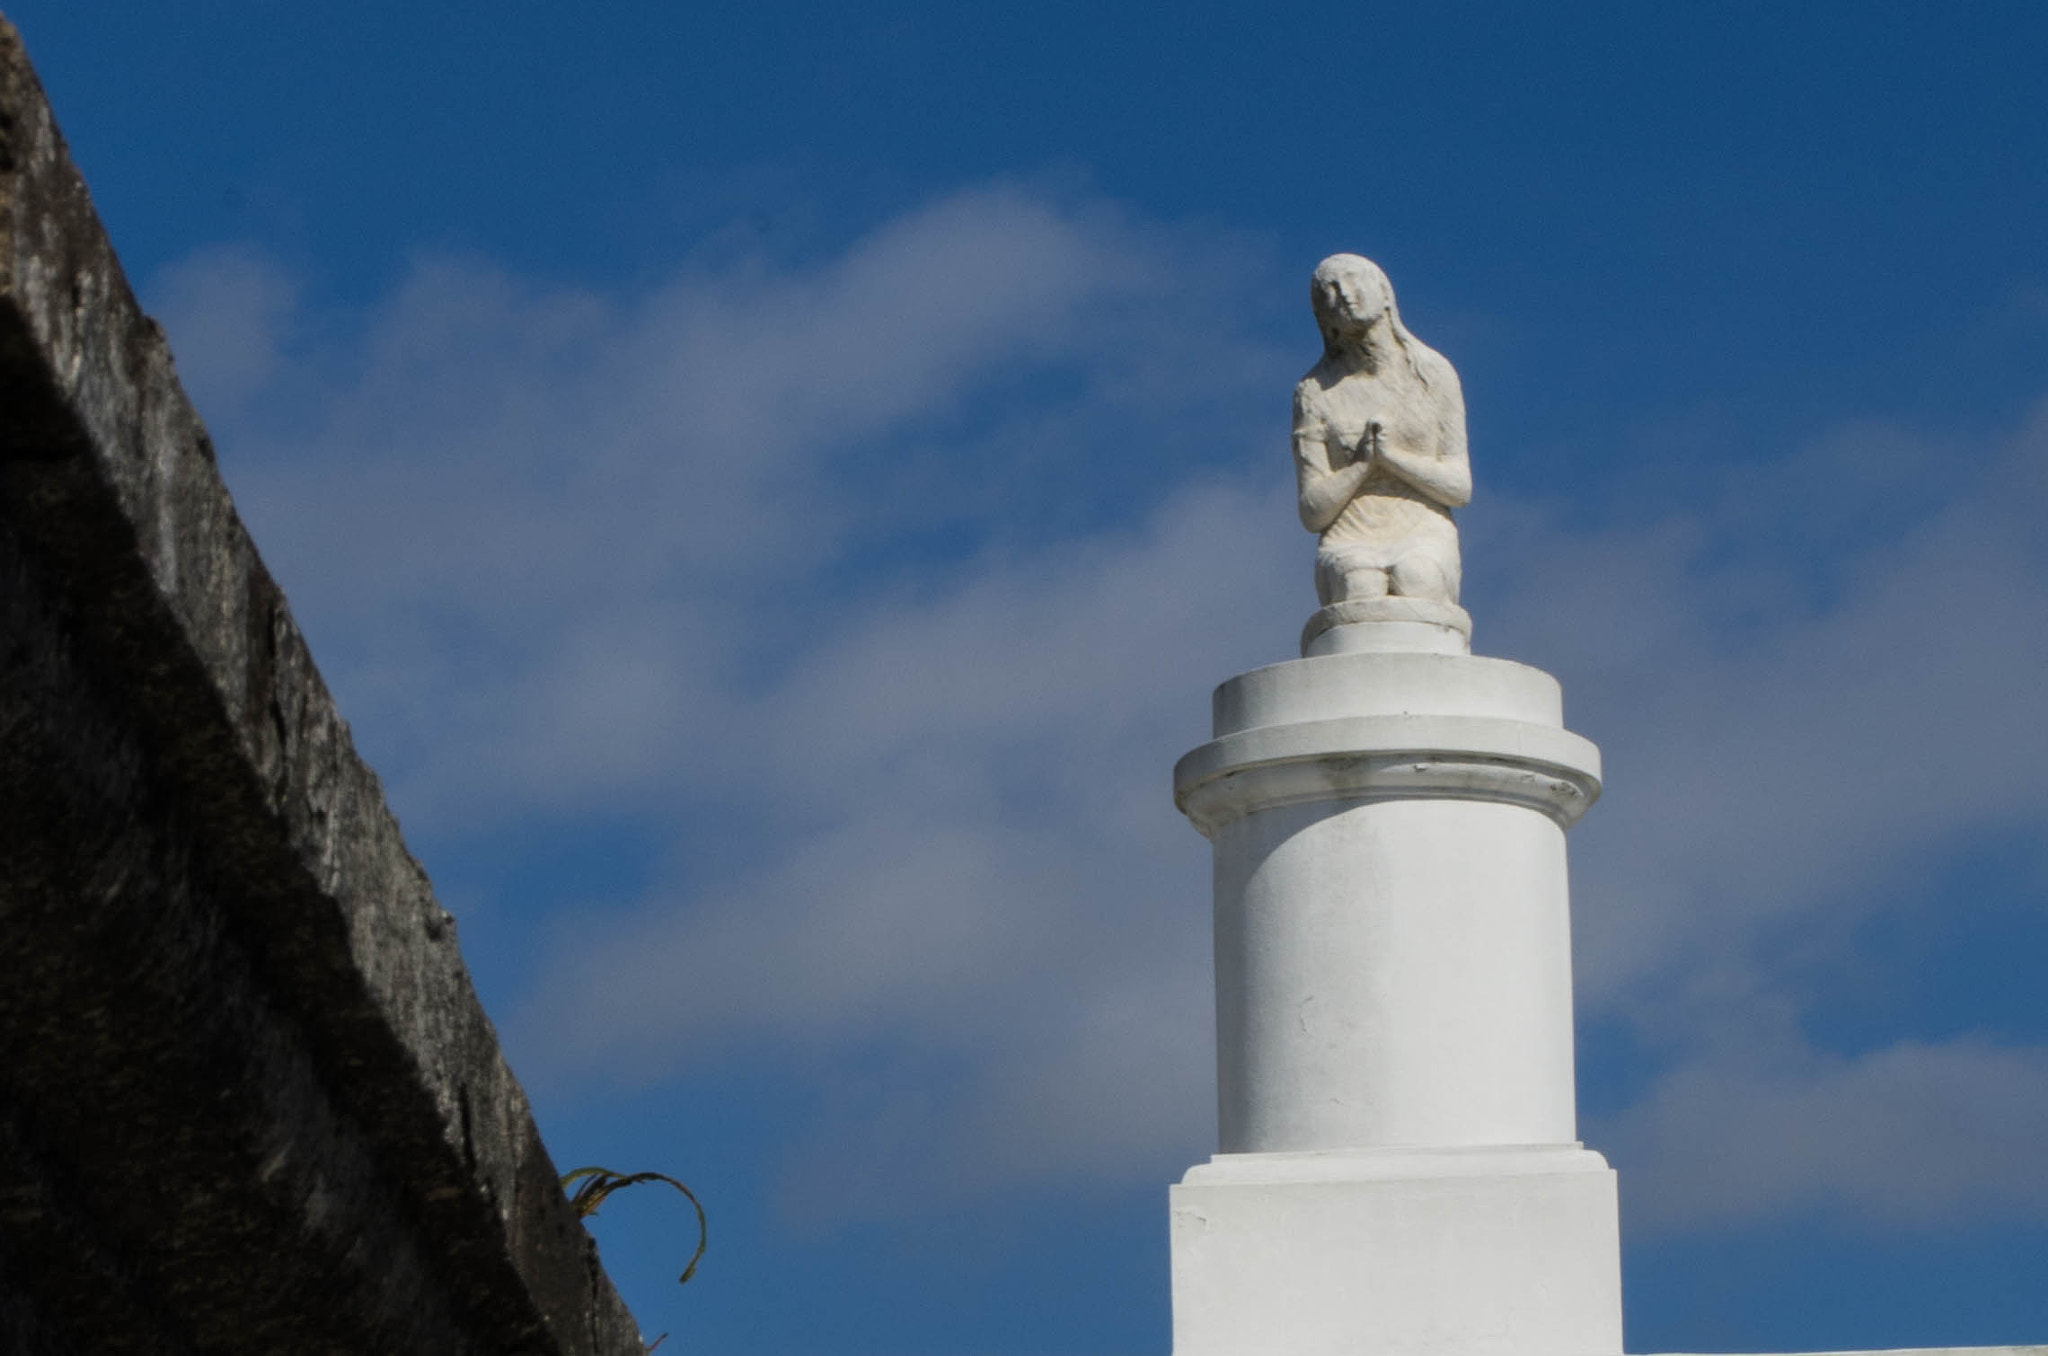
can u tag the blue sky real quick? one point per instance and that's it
(773, 485)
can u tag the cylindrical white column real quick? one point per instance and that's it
(1393, 963)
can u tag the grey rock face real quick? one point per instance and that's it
(248, 1099)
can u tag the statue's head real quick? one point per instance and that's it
(1351, 295)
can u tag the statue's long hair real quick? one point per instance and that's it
(1407, 345)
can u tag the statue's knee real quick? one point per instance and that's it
(1422, 577)
(1337, 582)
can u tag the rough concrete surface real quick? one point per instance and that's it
(248, 1099)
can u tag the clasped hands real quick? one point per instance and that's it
(1366, 450)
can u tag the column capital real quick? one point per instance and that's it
(1388, 757)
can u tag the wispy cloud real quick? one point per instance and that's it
(1912, 1135)
(1791, 719)
(233, 311)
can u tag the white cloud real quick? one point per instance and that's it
(1913, 1135)
(919, 563)
(1762, 773)
(524, 499)
(988, 870)
(231, 309)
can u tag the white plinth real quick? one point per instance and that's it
(1479, 1252)
(1400, 1169)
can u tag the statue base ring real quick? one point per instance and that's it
(1392, 623)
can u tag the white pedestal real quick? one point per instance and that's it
(1400, 1170)
(1478, 1252)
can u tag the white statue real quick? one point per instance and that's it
(1379, 459)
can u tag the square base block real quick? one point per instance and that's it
(1401, 1252)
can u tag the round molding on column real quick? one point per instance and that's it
(1366, 758)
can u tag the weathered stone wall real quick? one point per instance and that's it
(248, 1099)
